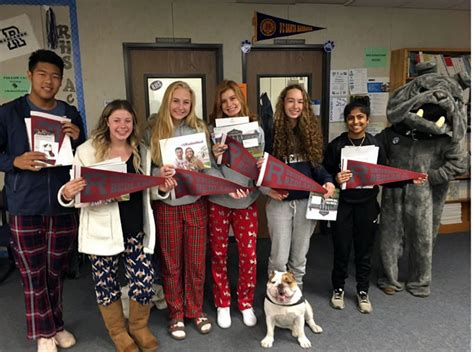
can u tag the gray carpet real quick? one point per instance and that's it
(401, 322)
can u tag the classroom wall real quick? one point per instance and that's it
(105, 24)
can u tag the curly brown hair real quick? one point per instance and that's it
(305, 138)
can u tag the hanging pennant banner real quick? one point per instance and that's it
(239, 159)
(198, 184)
(365, 174)
(106, 185)
(276, 174)
(268, 27)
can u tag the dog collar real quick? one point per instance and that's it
(301, 300)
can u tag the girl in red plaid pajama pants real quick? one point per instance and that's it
(241, 213)
(181, 223)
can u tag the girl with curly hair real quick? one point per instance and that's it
(114, 229)
(297, 141)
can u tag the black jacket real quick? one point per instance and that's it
(30, 192)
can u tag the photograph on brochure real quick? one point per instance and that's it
(156, 84)
(246, 133)
(189, 152)
(320, 208)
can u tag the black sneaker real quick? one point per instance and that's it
(337, 299)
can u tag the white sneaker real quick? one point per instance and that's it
(337, 299)
(364, 304)
(64, 339)
(47, 345)
(249, 317)
(223, 317)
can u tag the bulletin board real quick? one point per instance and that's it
(28, 18)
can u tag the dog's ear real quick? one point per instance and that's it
(292, 274)
(271, 275)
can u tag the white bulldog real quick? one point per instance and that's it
(286, 308)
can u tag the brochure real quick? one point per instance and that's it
(320, 208)
(247, 134)
(189, 152)
(366, 153)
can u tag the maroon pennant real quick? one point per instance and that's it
(367, 174)
(240, 159)
(198, 184)
(276, 174)
(41, 124)
(104, 184)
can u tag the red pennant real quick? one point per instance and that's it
(39, 124)
(240, 159)
(104, 185)
(198, 184)
(365, 174)
(276, 174)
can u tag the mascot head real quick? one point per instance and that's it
(431, 103)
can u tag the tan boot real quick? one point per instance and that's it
(115, 324)
(138, 326)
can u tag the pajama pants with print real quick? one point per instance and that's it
(138, 271)
(245, 226)
(181, 233)
(41, 245)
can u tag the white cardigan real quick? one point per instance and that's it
(100, 229)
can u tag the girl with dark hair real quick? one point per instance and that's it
(358, 209)
(119, 229)
(297, 141)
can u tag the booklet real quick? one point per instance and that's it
(45, 134)
(189, 152)
(320, 208)
(115, 164)
(229, 121)
(247, 134)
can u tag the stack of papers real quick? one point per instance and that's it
(452, 214)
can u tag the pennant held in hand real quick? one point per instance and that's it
(365, 174)
(198, 184)
(240, 159)
(105, 185)
(276, 174)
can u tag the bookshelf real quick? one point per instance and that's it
(402, 63)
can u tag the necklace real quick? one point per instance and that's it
(352, 142)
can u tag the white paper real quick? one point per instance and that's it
(358, 81)
(319, 208)
(337, 109)
(339, 82)
(378, 104)
(197, 158)
(229, 121)
(365, 153)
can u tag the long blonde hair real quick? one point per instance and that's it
(307, 131)
(217, 112)
(162, 126)
(101, 134)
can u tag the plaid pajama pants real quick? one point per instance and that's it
(41, 245)
(138, 271)
(245, 226)
(181, 234)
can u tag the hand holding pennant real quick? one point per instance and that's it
(105, 184)
(364, 174)
(198, 184)
(240, 159)
(276, 174)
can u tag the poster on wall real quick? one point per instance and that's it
(16, 37)
(157, 84)
(13, 86)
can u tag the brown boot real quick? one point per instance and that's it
(115, 324)
(138, 326)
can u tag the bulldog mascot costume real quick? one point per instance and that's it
(428, 123)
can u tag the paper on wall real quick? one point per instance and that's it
(358, 81)
(339, 82)
(337, 109)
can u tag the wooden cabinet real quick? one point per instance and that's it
(401, 72)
